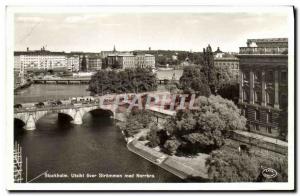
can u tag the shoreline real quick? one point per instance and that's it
(166, 162)
(26, 85)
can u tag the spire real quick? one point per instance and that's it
(114, 48)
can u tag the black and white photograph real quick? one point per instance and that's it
(147, 98)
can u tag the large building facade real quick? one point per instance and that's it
(45, 60)
(123, 61)
(263, 93)
(41, 60)
(145, 60)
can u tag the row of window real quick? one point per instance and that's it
(269, 76)
(233, 65)
(269, 98)
(257, 115)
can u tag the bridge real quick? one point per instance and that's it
(62, 81)
(76, 108)
(86, 81)
(30, 113)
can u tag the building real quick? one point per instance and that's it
(88, 61)
(94, 63)
(105, 54)
(231, 62)
(73, 62)
(145, 60)
(40, 60)
(19, 72)
(263, 93)
(218, 53)
(123, 61)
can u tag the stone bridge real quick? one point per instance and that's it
(30, 115)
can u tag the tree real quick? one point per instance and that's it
(84, 64)
(171, 146)
(228, 166)
(133, 80)
(194, 81)
(209, 68)
(135, 121)
(153, 136)
(205, 129)
(233, 166)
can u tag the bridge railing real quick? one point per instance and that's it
(54, 107)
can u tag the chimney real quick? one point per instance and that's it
(27, 49)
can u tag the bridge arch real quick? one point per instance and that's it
(42, 114)
(31, 117)
(17, 118)
(107, 112)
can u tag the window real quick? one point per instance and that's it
(256, 115)
(269, 98)
(245, 96)
(283, 102)
(246, 76)
(257, 97)
(257, 127)
(244, 113)
(283, 76)
(269, 117)
(270, 76)
(257, 76)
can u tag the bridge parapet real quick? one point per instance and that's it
(31, 115)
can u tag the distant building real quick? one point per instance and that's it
(45, 60)
(104, 54)
(19, 72)
(37, 60)
(88, 61)
(73, 63)
(226, 59)
(218, 53)
(145, 60)
(123, 61)
(263, 82)
(94, 63)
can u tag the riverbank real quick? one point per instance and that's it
(27, 84)
(186, 168)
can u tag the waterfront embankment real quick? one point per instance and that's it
(187, 168)
(25, 85)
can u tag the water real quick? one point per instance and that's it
(168, 74)
(42, 92)
(96, 146)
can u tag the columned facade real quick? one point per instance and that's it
(263, 87)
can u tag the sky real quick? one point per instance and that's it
(139, 31)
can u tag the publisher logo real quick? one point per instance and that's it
(269, 173)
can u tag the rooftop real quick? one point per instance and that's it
(268, 46)
(268, 40)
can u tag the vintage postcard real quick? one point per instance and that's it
(166, 98)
